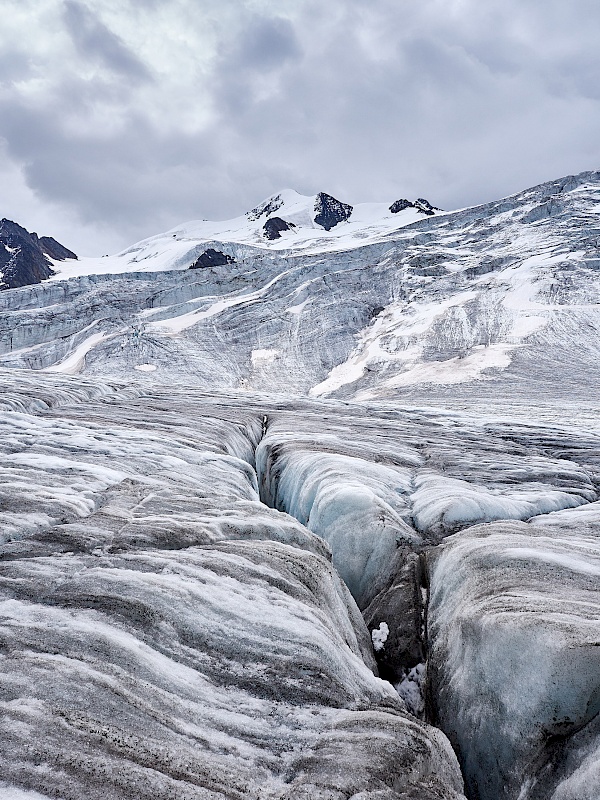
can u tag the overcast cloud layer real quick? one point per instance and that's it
(121, 119)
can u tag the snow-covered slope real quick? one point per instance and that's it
(180, 247)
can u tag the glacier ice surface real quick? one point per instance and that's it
(219, 486)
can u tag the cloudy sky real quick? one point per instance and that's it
(122, 118)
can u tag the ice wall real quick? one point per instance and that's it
(514, 661)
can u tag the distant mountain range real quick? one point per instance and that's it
(286, 221)
(315, 296)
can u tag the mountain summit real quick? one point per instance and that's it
(26, 258)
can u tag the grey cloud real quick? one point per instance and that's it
(431, 114)
(140, 184)
(258, 47)
(14, 65)
(265, 44)
(94, 40)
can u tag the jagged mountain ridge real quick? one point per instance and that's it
(26, 258)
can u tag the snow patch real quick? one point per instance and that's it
(456, 370)
(263, 357)
(298, 309)
(404, 323)
(379, 636)
(74, 362)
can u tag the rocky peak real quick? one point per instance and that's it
(24, 257)
(422, 205)
(265, 208)
(400, 205)
(329, 211)
(54, 249)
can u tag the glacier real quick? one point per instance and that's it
(312, 516)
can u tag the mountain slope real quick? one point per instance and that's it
(286, 222)
(26, 258)
(475, 296)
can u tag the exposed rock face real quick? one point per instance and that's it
(402, 608)
(23, 256)
(54, 249)
(265, 209)
(212, 258)
(329, 212)
(22, 259)
(424, 206)
(400, 205)
(274, 225)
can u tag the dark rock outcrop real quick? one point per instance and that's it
(401, 605)
(212, 258)
(53, 248)
(273, 227)
(425, 207)
(400, 205)
(422, 205)
(329, 211)
(24, 256)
